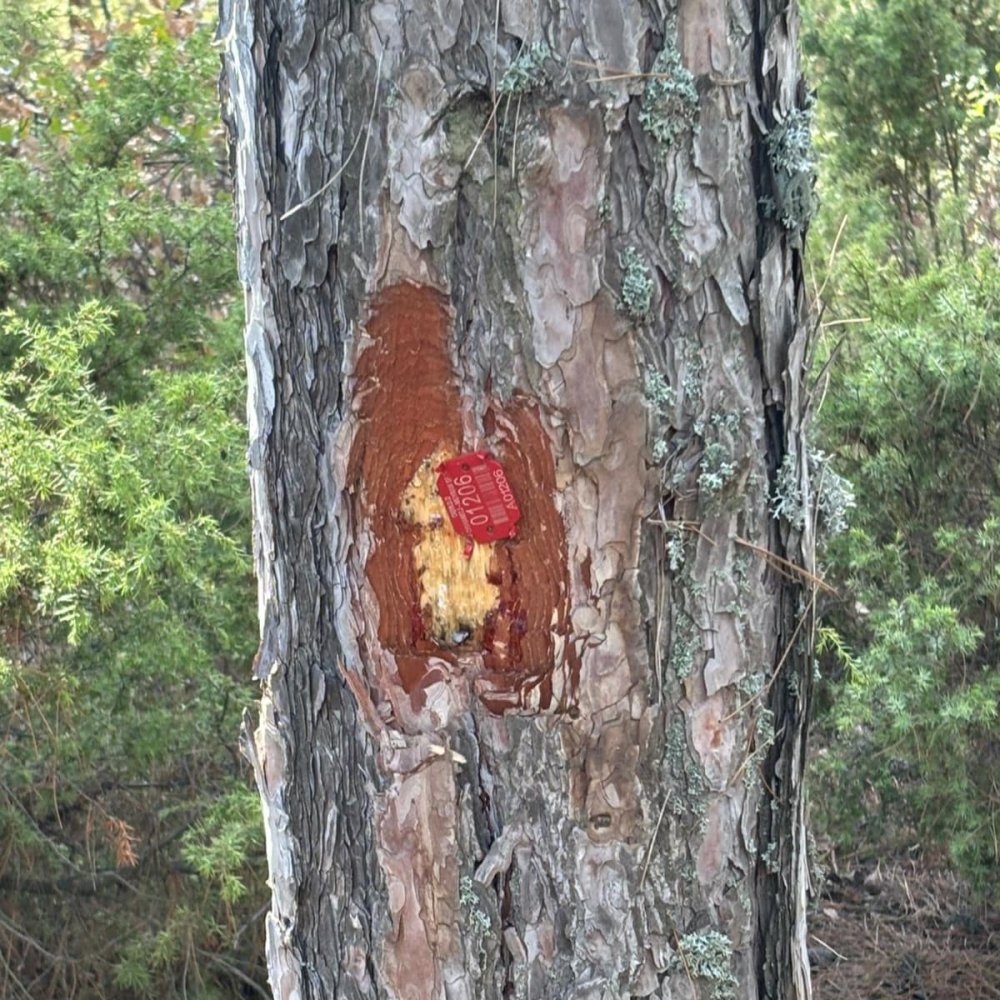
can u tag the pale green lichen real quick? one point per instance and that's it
(707, 955)
(740, 576)
(742, 564)
(469, 900)
(637, 284)
(676, 746)
(693, 380)
(789, 148)
(670, 102)
(678, 208)
(729, 420)
(717, 470)
(763, 739)
(661, 398)
(746, 904)
(682, 767)
(752, 684)
(790, 143)
(834, 498)
(527, 72)
(697, 793)
(769, 858)
(832, 494)
(817, 873)
(788, 502)
(675, 547)
(685, 641)
(794, 683)
(659, 395)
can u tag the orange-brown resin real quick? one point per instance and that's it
(513, 602)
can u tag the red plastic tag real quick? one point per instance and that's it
(478, 498)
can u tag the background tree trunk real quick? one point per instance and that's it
(571, 765)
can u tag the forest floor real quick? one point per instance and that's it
(903, 930)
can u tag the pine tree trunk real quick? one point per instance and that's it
(570, 763)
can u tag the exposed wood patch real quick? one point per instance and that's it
(409, 410)
(456, 592)
(500, 618)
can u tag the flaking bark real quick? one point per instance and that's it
(621, 314)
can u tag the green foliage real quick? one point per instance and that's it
(106, 190)
(99, 502)
(218, 847)
(133, 850)
(907, 91)
(906, 125)
(913, 406)
(176, 945)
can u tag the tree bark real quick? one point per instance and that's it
(570, 764)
